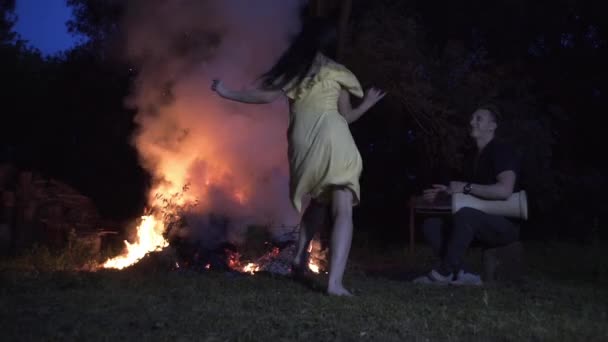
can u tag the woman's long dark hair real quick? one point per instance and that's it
(315, 36)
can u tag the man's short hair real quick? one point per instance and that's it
(494, 111)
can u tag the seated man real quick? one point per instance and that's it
(492, 176)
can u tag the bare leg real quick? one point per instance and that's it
(314, 217)
(341, 237)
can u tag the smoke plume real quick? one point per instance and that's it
(232, 156)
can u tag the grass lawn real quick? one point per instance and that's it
(564, 297)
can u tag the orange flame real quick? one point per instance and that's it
(150, 231)
(149, 239)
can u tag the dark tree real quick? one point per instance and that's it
(65, 114)
(541, 62)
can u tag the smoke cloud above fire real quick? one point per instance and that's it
(232, 157)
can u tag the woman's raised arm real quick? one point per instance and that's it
(256, 96)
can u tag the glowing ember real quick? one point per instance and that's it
(314, 268)
(317, 256)
(234, 260)
(251, 268)
(149, 239)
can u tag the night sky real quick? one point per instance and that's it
(42, 24)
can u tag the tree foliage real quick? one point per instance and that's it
(438, 65)
(67, 114)
(7, 20)
(99, 21)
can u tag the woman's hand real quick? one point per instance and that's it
(372, 96)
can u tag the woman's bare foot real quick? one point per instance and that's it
(338, 291)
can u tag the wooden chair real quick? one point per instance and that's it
(417, 205)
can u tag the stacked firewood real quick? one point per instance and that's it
(36, 209)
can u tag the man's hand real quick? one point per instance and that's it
(430, 195)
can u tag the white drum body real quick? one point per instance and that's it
(515, 206)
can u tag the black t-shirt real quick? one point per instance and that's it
(495, 158)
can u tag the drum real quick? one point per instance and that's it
(515, 206)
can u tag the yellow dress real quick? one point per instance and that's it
(322, 152)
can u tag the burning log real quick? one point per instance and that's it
(193, 256)
(257, 254)
(279, 262)
(190, 256)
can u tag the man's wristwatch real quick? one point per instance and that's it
(467, 189)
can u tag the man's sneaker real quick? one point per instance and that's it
(465, 278)
(434, 278)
